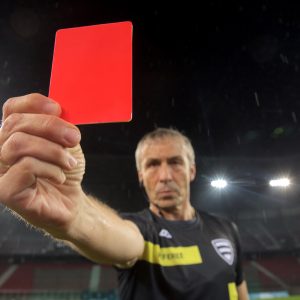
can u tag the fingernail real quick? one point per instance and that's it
(72, 136)
(72, 160)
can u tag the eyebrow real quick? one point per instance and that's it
(176, 157)
(152, 159)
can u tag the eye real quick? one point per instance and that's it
(175, 161)
(152, 163)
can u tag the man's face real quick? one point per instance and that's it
(166, 172)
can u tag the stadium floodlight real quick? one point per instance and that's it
(280, 182)
(219, 183)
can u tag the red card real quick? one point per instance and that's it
(91, 73)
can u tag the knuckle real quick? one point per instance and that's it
(32, 100)
(12, 145)
(7, 106)
(35, 95)
(26, 103)
(10, 122)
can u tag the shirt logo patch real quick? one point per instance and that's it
(165, 233)
(224, 249)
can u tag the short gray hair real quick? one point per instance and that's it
(160, 133)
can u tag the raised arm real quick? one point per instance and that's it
(242, 290)
(41, 170)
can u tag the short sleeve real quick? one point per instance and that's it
(239, 265)
(139, 219)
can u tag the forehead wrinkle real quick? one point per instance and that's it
(175, 149)
(164, 142)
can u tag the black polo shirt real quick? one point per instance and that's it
(198, 259)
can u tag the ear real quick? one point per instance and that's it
(192, 172)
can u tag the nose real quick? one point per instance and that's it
(165, 173)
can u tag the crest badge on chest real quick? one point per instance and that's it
(224, 249)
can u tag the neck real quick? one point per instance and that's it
(176, 214)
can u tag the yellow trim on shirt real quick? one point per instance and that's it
(233, 294)
(171, 256)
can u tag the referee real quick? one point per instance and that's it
(168, 251)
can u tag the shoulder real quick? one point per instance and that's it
(216, 221)
(212, 217)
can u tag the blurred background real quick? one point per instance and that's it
(225, 73)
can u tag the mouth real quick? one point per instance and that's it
(166, 193)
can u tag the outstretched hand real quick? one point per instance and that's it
(41, 163)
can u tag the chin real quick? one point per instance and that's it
(166, 203)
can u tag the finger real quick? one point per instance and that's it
(49, 127)
(24, 174)
(31, 103)
(21, 145)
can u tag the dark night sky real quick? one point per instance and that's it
(224, 72)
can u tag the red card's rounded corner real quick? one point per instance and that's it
(129, 119)
(122, 23)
